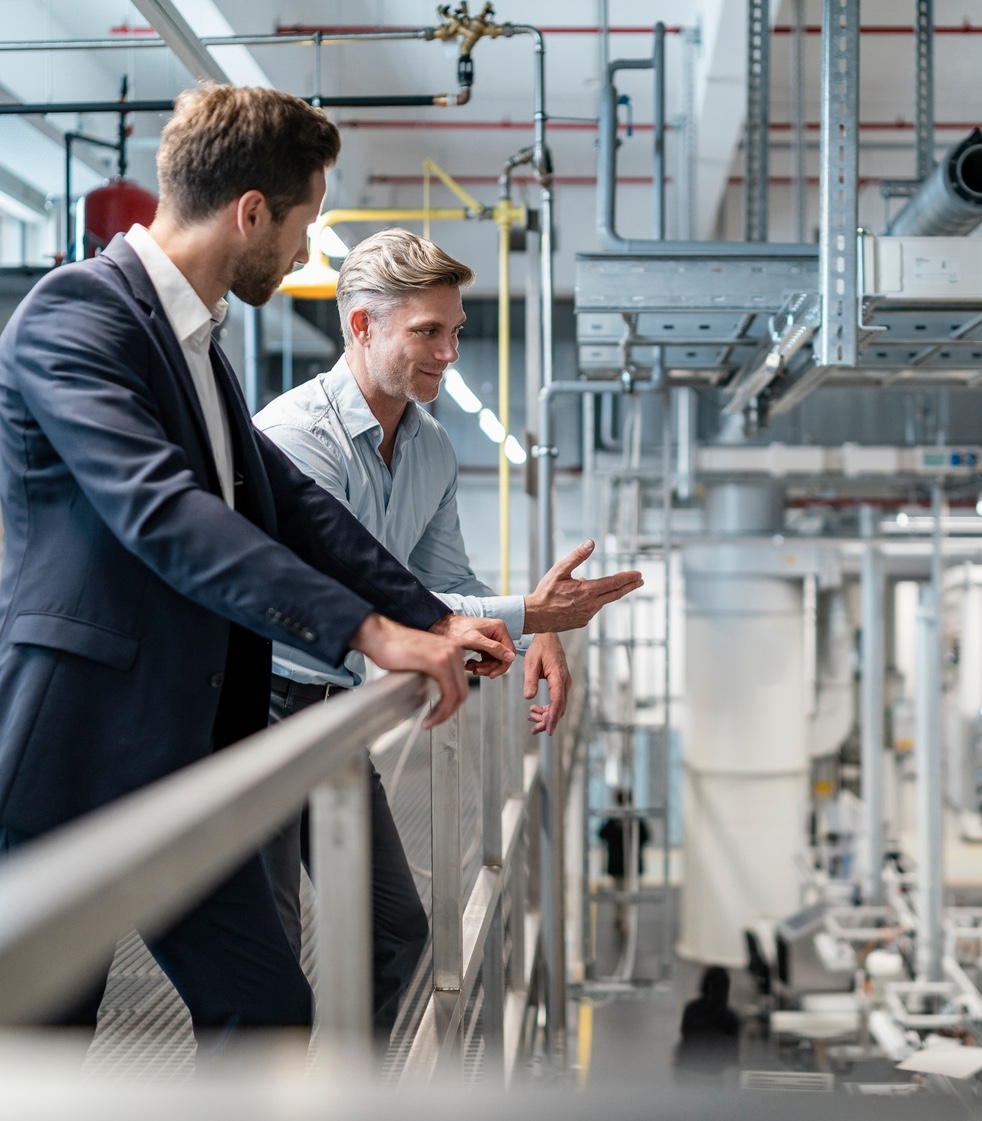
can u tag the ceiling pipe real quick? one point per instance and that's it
(607, 159)
(949, 201)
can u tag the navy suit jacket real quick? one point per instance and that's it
(136, 608)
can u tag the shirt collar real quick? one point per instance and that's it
(192, 321)
(353, 409)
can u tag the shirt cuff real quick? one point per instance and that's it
(509, 609)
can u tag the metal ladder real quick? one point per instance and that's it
(630, 743)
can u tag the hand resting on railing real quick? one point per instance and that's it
(437, 653)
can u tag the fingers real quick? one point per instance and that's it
(488, 637)
(486, 667)
(615, 586)
(539, 719)
(532, 675)
(491, 648)
(574, 560)
(450, 679)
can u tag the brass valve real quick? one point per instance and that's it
(469, 28)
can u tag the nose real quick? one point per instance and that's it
(448, 349)
(302, 255)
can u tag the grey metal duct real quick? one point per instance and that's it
(949, 201)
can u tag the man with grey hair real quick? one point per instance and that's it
(358, 432)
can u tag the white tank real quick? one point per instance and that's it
(746, 744)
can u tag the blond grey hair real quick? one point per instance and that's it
(381, 271)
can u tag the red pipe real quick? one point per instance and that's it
(591, 126)
(965, 28)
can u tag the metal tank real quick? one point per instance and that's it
(745, 742)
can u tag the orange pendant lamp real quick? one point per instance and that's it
(316, 280)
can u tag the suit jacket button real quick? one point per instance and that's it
(308, 635)
(216, 680)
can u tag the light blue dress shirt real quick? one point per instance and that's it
(326, 427)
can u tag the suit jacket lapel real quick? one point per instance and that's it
(158, 325)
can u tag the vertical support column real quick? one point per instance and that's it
(533, 383)
(872, 701)
(553, 899)
(927, 749)
(658, 166)
(513, 749)
(250, 363)
(838, 335)
(286, 371)
(758, 112)
(668, 909)
(685, 194)
(798, 134)
(493, 966)
(448, 953)
(340, 844)
(924, 92)
(686, 403)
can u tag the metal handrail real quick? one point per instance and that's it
(66, 898)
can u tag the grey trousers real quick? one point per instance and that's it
(399, 924)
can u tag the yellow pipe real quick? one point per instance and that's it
(451, 184)
(504, 404)
(505, 214)
(368, 214)
(584, 1042)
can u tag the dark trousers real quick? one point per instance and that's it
(399, 924)
(228, 958)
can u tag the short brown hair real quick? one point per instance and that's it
(225, 140)
(388, 266)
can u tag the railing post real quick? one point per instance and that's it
(515, 740)
(448, 950)
(493, 965)
(553, 898)
(340, 845)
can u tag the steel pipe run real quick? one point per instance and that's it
(949, 201)
(607, 151)
(927, 754)
(545, 452)
(872, 715)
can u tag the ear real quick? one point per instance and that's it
(251, 212)
(359, 323)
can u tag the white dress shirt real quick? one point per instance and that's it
(192, 323)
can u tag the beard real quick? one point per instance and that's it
(257, 276)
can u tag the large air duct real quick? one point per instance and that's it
(949, 201)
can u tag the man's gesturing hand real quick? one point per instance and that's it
(546, 661)
(560, 602)
(392, 646)
(487, 637)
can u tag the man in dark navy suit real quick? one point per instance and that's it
(157, 543)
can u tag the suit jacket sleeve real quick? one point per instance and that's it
(95, 378)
